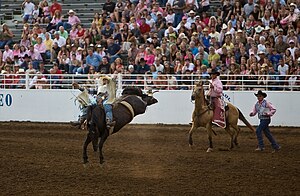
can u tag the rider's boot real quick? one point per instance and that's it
(110, 125)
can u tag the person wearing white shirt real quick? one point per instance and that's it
(61, 41)
(292, 48)
(28, 8)
(184, 23)
(192, 17)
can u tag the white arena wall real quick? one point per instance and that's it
(174, 107)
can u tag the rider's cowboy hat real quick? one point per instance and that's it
(214, 71)
(260, 93)
(105, 77)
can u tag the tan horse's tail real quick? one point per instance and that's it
(245, 121)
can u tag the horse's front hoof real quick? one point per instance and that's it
(209, 150)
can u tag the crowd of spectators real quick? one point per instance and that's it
(254, 39)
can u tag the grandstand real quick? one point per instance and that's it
(11, 14)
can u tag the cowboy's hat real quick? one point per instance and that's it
(261, 93)
(105, 77)
(71, 11)
(214, 71)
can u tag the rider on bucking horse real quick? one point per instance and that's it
(106, 95)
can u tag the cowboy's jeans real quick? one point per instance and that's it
(108, 111)
(264, 127)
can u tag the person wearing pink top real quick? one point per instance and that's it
(41, 47)
(8, 55)
(216, 103)
(54, 22)
(72, 20)
(265, 111)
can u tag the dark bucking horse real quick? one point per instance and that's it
(203, 116)
(133, 102)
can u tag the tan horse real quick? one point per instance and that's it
(203, 116)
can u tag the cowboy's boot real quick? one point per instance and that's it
(110, 125)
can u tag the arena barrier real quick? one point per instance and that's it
(174, 107)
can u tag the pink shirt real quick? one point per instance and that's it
(268, 105)
(149, 59)
(35, 55)
(73, 20)
(16, 52)
(40, 47)
(217, 89)
(55, 20)
(8, 54)
(73, 34)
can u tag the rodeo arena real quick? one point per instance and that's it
(150, 97)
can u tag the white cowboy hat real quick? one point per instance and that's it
(224, 26)
(71, 11)
(259, 29)
(192, 12)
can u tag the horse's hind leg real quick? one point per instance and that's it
(235, 139)
(102, 140)
(227, 129)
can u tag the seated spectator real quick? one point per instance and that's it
(45, 15)
(41, 47)
(72, 20)
(64, 63)
(8, 55)
(25, 41)
(56, 19)
(28, 8)
(75, 64)
(6, 36)
(35, 56)
(30, 69)
(142, 67)
(55, 78)
(25, 62)
(55, 7)
(63, 33)
(113, 49)
(61, 41)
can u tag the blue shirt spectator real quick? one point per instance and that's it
(93, 59)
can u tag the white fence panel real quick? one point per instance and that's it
(174, 107)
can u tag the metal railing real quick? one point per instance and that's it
(148, 81)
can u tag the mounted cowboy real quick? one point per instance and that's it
(215, 97)
(107, 92)
(104, 95)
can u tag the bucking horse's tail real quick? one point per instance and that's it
(245, 121)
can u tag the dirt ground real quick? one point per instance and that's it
(46, 159)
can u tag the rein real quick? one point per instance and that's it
(207, 109)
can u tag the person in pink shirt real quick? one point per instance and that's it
(56, 19)
(215, 95)
(41, 47)
(72, 20)
(8, 55)
(73, 32)
(35, 57)
(265, 111)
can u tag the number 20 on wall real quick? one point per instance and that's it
(5, 100)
